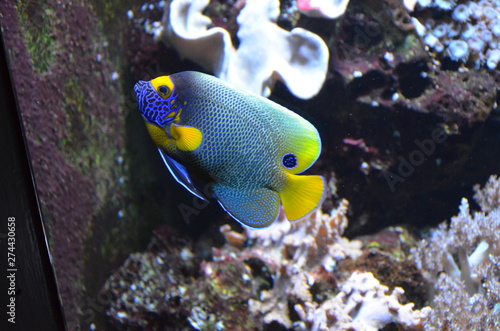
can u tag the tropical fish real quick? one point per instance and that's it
(243, 149)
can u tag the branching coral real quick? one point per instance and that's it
(363, 304)
(462, 259)
(488, 197)
(266, 53)
(303, 257)
(316, 241)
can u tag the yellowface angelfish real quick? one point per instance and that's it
(245, 150)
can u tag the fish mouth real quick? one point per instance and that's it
(139, 87)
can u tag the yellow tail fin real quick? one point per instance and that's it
(302, 195)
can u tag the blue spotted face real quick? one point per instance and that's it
(157, 101)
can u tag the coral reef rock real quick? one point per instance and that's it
(280, 277)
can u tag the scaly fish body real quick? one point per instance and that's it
(248, 149)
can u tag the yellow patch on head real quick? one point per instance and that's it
(306, 148)
(178, 116)
(163, 86)
(302, 195)
(157, 134)
(187, 138)
(170, 115)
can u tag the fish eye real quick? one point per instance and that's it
(289, 161)
(163, 90)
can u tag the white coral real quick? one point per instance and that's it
(489, 197)
(187, 30)
(304, 253)
(266, 52)
(462, 261)
(315, 240)
(363, 305)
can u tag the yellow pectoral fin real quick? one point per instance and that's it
(302, 195)
(187, 138)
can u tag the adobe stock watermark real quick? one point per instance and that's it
(91, 306)
(415, 158)
(196, 206)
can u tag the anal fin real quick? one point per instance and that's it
(256, 208)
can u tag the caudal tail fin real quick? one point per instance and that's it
(302, 195)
